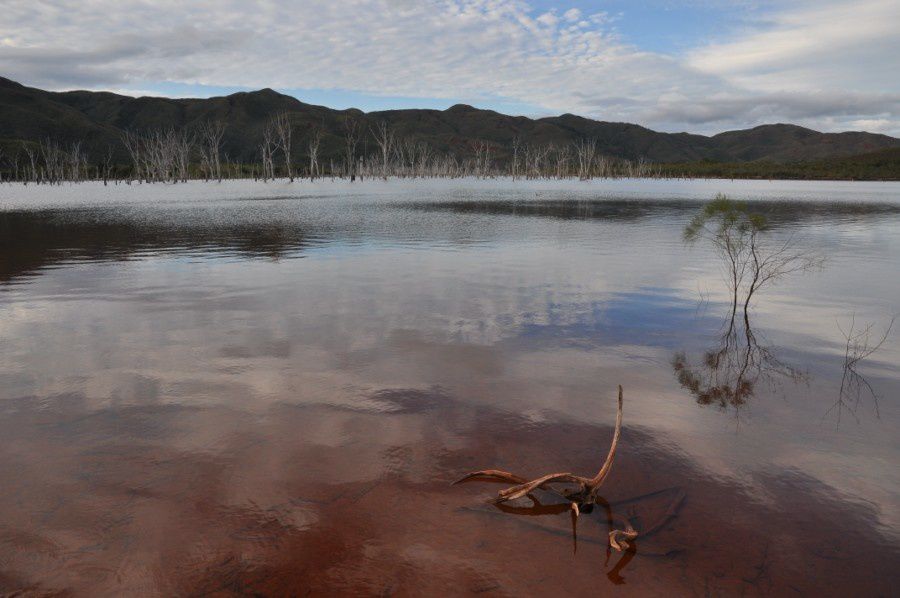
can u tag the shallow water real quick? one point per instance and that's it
(243, 388)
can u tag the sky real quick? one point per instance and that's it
(702, 66)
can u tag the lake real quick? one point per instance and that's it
(239, 388)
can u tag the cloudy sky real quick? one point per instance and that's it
(696, 65)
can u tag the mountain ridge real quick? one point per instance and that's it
(98, 119)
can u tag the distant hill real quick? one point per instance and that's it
(99, 118)
(882, 165)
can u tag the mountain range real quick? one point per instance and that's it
(98, 119)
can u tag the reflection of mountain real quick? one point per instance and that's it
(30, 241)
(778, 213)
(566, 209)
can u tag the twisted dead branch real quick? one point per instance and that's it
(584, 494)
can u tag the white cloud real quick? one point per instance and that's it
(877, 125)
(573, 14)
(548, 18)
(484, 50)
(831, 45)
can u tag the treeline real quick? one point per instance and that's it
(173, 156)
(287, 151)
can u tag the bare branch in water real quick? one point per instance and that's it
(585, 493)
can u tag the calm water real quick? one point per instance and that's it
(245, 389)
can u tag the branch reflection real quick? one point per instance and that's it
(728, 374)
(859, 345)
(648, 514)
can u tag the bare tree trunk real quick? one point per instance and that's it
(183, 144)
(585, 150)
(16, 166)
(107, 165)
(384, 137)
(267, 151)
(315, 139)
(517, 148)
(211, 134)
(351, 139)
(281, 122)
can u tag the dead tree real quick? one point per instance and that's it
(604, 167)
(76, 162)
(535, 161)
(182, 144)
(211, 134)
(267, 151)
(351, 140)
(32, 163)
(14, 165)
(404, 158)
(422, 160)
(384, 137)
(315, 140)
(585, 152)
(106, 166)
(562, 155)
(54, 161)
(583, 494)
(134, 145)
(281, 123)
(482, 158)
(516, 149)
(167, 155)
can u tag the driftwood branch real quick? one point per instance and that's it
(584, 494)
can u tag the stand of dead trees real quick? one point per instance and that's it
(160, 156)
(359, 149)
(209, 135)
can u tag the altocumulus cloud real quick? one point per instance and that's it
(796, 61)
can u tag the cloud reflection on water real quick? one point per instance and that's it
(174, 366)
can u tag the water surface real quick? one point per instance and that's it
(237, 389)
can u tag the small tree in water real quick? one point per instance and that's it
(751, 260)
